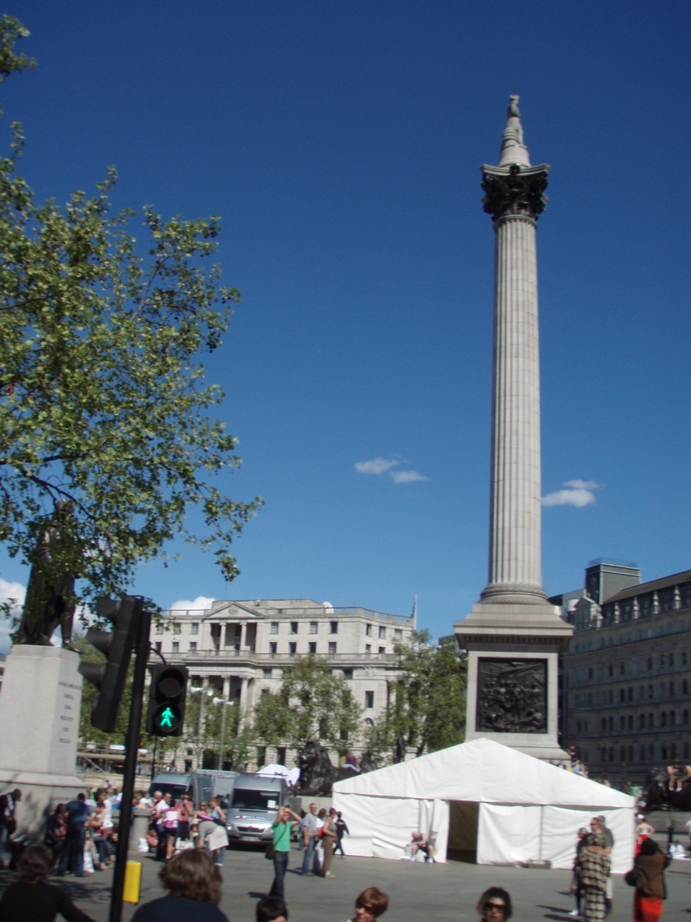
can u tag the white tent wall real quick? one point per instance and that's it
(381, 827)
(508, 834)
(528, 809)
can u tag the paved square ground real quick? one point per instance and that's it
(416, 891)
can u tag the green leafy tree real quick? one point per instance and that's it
(103, 404)
(310, 704)
(426, 709)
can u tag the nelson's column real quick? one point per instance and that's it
(513, 635)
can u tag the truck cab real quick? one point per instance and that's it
(254, 807)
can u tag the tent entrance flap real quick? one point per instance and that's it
(463, 825)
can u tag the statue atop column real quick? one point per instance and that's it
(50, 600)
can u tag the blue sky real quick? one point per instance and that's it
(341, 144)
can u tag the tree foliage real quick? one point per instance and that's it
(310, 704)
(426, 708)
(103, 402)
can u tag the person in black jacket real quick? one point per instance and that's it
(31, 899)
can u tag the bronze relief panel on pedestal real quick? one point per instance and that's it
(512, 695)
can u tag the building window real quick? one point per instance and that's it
(663, 719)
(266, 673)
(382, 633)
(314, 627)
(368, 630)
(382, 649)
(292, 648)
(158, 646)
(273, 647)
(193, 646)
(671, 659)
(641, 753)
(631, 724)
(651, 720)
(662, 659)
(622, 695)
(641, 723)
(630, 693)
(368, 648)
(333, 627)
(685, 717)
(671, 688)
(177, 628)
(684, 658)
(159, 627)
(369, 699)
(672, 718)
(273, 627)
(312, 647)
(663, 752)
(622, 722)
(261, 755)
(651, 693)
(332, 648)
(398, 634)
(604, 724)
(176, 646)
(347, 673)
(293, 627)
(650, 663)
(685, 687)
(194, 627)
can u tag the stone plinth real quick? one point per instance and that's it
(513, 664)
(39, 728)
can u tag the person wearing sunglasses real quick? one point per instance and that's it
(494, 905)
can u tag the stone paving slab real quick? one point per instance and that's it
(416, 891)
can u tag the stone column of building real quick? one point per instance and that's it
(513, 635)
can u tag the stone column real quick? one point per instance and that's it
(513, 635)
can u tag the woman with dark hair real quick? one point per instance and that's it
(650, 891)
(31, 899)
(56, 830)
(369, 905)
(194, 885)
(495, 905)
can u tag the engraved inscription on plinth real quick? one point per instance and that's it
(512, 695)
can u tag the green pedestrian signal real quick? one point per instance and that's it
(166, 700)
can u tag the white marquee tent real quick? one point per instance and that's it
(485, 800)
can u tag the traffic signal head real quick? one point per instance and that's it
(117, 645)
(167, 695)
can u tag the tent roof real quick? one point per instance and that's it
(484, 771)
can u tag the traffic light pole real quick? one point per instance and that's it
(141, 652)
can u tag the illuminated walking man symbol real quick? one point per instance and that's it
(167, 718)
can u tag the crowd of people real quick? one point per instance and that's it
(592, 882)
(192, 844)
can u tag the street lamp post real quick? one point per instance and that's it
(225, 704)
(205, 692)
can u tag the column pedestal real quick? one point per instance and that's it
(39, 728)
(513, 670)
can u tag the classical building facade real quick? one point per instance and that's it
(627, 674)
(238, 649)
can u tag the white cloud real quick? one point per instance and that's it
(375, 466)
(406, 476)
(576, 493)
(384, 465)
(582, 484)
(201, 602)
(15, 592)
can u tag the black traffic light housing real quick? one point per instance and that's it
(110, 677)
(167, 694)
